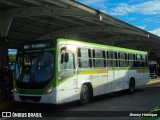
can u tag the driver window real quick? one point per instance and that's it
(69, 64)
(66, 60)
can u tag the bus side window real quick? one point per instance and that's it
(90, 57)
(110, 58)
(122, 61)
(79, 56)
(144, 61)
(67, 59)
(64, 57)
(138, 61)
(115, 59)
(141, 61)
(107, 63)
(70, 63)
(130, 60)
(134, 61)
(84, 58)
(104, 56)
(99, 58)
(126, 60)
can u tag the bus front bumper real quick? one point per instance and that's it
(45, 98)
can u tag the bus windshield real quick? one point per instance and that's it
(37, 67)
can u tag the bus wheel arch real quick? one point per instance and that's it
(131, 88)
(86, 93)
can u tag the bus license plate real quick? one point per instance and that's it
(29, 100)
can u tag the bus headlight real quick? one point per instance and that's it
(49, 90)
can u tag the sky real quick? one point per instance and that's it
(12, 51)
(144, 14)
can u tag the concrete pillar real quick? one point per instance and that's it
(4, 28)
(3, 52)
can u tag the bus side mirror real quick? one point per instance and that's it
(64, 57)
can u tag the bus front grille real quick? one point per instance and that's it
(30, 98)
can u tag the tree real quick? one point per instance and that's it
(12, 58)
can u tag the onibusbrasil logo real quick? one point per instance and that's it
(17, 114)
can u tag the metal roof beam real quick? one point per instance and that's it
(47, 22)
(53, 11)
(90, 20)
(33, 2)
(24, 33)
(79, 5)
(33, 27)
(68, 20)
(10, 3)
(56, 2)
(97, 29)
(137, 41)
(73, 6)
(127, 37)
(108, 19)
(119, 22)
(36, 11)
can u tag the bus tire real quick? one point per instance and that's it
(84, 95)
(131, 86)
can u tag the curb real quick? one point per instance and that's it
(153, 81)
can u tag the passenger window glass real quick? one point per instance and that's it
(99, 58)
(138, 61)
(130, 60)
(123, 60)
(84, 58)
(112, 59)
(144, 61)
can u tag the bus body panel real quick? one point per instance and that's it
(97, 78)
(68, 90)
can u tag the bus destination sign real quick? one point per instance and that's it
(36, 46)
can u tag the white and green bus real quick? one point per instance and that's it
(63, 70)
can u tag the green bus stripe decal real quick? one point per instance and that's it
(93, 72)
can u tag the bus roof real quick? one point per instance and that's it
(95, 45)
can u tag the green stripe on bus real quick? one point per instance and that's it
(93, 72)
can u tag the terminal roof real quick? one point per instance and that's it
(30, 20)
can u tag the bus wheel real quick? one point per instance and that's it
(84, 95)
(131, 86)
